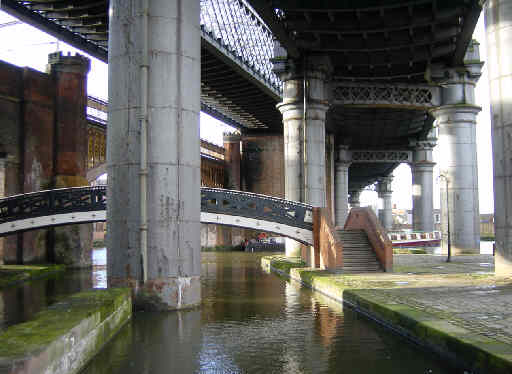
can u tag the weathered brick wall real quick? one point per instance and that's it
(43, 142)
(263, 164)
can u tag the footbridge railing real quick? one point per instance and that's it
(225, 207)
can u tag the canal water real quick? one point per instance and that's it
(254, 322)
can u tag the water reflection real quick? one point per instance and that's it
(20, 303)
(252, 322)
(99, 268)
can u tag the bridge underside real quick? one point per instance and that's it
(369, 43)
(376, 128)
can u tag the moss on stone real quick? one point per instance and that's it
(47, 326)
(409, 251)
(14, 274)
(221, 248)
(282, 264)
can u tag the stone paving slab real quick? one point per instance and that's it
(458, 309)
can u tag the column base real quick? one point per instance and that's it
(163, 293)
(460, 251)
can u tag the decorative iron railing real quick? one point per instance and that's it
(213, 200)
(239, 28)
(51, 202)
(246, 204)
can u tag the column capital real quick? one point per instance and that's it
(343, 156)
(384, 186)
(469, 72)
(424, 145)
(458, 82)
(312, 67)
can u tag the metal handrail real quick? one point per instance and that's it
(213, 200)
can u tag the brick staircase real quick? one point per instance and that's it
(358, 254)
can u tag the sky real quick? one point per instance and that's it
(24, 45)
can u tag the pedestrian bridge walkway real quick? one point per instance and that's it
(219, 206)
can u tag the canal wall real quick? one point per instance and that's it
(65, 336)
(471, 347)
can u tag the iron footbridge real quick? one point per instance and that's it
(218, 206)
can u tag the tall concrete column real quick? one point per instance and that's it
(456, 121)
(304, 138)
(353, 198)
(385, 193)
(423, 187)
(341, 195)
(166, 73)
(499, 34)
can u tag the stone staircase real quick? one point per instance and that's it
(358, 254)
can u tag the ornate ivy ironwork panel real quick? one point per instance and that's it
(97, 146)
(242, 32)
(345, 93)
(381, 156)
(262, 207)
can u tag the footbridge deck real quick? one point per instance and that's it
(219, 206)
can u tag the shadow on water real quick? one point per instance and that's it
(19, 303)
(253, 322)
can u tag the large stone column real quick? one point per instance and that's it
(499, 55)
(232, 159)
(456, 121)
(72, 245)
(172, 68)
(423, 187)
(304, 138)
(385, 193)
(342, 165)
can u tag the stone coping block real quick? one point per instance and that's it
(463, 348)
(66, 335)
(13, 274)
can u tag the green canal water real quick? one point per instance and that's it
(253, 322)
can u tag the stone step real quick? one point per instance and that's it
(359, 240)
(357, 250)
(353, 237)
(360, 264)
(361, 267)
(365, 258)
(361, 271)
(358, 255)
